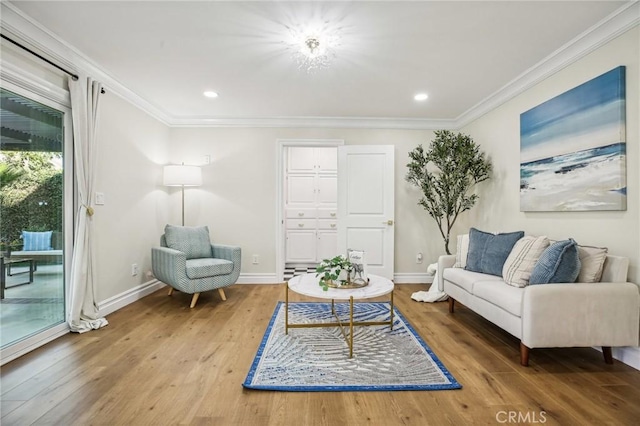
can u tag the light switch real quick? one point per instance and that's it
(99, 198)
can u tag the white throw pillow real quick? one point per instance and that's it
(462, 250)
(523, 257)
(592, 260)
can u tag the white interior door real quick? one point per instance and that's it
(366, 204)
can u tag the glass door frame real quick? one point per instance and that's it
(29, 86)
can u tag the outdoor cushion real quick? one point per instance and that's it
(36, 241)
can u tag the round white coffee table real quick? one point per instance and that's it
(307, 285)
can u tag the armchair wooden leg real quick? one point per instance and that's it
(608, 355)
(170, 291)
(524, 355)
(451, 304)
(194, 299)
(222, 295)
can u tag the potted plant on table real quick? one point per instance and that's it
(333, 272)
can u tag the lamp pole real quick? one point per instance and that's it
(182, 186)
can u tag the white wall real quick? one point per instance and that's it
(133, 148)
(238, 198)
(498, 132)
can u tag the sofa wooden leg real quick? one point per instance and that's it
(170, 291)
(451, 304)
(194, 299)
(608, 356)
(222, 295)
(524, 355)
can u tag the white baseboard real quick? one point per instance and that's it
(125, 298)
(628, 355)
(249, 278)
(412, 278)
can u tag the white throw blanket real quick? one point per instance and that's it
(434, 294)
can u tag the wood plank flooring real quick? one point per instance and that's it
(161, 363)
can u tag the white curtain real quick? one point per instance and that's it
(85, 96)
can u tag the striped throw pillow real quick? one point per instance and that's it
(523, 257)
(462, 249)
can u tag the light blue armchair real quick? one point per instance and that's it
(188, 262)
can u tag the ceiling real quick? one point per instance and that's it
(460, 53)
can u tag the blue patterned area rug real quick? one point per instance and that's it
(317, 359)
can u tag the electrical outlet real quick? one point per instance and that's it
(256, 259)
(134, 269)
(206, 159)
(419, 258)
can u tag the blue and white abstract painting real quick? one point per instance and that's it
(573, 149)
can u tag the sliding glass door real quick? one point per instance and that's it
(33, 193)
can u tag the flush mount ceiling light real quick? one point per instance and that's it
(210, 94)
(313, 49)
(421, 97)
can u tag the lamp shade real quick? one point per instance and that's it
(181, 175)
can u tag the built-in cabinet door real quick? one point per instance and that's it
(301, 246)
(327, 244)
(327, 160)
(301, 160)
(327, 194)
(301, 190)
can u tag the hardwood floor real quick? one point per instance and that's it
(161, 363)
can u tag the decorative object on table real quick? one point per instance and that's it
(333, 272)
(181, 175)
(314, 359)
(573, 149)
(358, 274)
(187, 261)
(446, 173)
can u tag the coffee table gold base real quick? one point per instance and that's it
(348, 338)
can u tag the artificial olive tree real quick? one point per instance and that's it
(446, 173)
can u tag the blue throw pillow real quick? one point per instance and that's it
(488, 252)
(559, 263)
(36, 241)
(193, 241)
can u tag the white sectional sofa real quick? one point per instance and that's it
(605, 313)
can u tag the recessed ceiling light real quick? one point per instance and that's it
(210, 94)
(421, 97)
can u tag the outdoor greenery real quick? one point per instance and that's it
(446, 173)
(31, 194)
(329, 270)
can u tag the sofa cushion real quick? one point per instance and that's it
(466, 279)
(192, 241)
(591, 263)
(36, 241)
(208, 267)
(522, 259)
(559, 263)
(500, 294)
(462, 250)
(488, 252)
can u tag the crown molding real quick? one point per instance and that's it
(25, 29)
(620, 21)
(318, 122)
(30, 32)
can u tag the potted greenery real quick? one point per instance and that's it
(446, 173)
(333, 272)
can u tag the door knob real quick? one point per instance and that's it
(388, 222)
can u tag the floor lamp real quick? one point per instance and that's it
(181, 175)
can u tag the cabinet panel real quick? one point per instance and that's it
(301, 246)
(301, 190)
(327, 190)
(327, 244)
(301, 224)
(300, 213)
(327, 214)
(327, 224)
(327, 160)
(301, 159)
